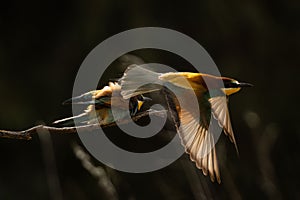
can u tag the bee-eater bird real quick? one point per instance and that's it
(195, 137)
(99, 106)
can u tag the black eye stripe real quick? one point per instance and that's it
(231, 85)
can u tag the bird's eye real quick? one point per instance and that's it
(140, 98)
(230, 84)
(235, 84)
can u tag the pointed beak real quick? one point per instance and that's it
(147, 99)
(245, 85)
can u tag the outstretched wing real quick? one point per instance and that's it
(199, 143)
(221, 113)
(195, 133)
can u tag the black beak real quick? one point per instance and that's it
(245, 85)
(147, 99)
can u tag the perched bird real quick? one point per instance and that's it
(99, 106)
(194, 132)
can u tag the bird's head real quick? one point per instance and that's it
(232, 86)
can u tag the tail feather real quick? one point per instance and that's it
(138, 80)
(70, 120)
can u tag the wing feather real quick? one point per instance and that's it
(221, 113)
(199, 144)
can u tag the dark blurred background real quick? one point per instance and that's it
(43, 43)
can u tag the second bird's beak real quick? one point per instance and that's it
(147, 99)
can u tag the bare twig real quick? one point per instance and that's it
(27, 134)
(97, 172)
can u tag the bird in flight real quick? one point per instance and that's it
(194, 130)
(99, 106)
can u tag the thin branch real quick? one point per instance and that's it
(27, 134)
(97, 172)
